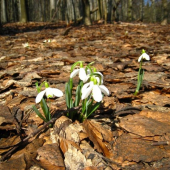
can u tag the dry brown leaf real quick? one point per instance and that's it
(97, 137)
(50, 157)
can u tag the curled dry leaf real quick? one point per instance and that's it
(97, 134)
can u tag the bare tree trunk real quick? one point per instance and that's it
(165, 12)
(129, 15)
(86, 12)
(52, 9)
(115, 6)
(23, 17)
(74, 10)
(3, 12)
(105, 11)
(99, 12)
(141, 10)
(153, 9)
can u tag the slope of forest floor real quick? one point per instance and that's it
(127, 132)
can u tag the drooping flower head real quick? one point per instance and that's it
(144, 56)
(49, 92)
(95, 88)
(81, 71)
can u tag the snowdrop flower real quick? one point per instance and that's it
(96, 91)
(143, 56)
(50, 92)
(82, 74)
(25, 45)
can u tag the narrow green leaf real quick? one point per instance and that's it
(38, 113)
(45, 108)
(94, 108)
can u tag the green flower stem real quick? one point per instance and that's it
(140, 78)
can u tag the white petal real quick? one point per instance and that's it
(57, 92)
(146, 56)
(104, 90)
(85, 86)
(143, 56)
(140, 58)
(40, 96)
(74, 73)
(50, 92)
(86, 91)
(97, 95)
(82, 74)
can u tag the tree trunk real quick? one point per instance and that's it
(23, 17)
(141, 10)
(165, 12)
(105, 11)
(153, 11)
(99, 12)
(3, 12)
(115, 6)
(86, 12)
(52, 9)
(74, 11)
(129, 15)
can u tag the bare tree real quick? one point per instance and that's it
(129, 14)
(23, 16)
(165, 12)
(153, 9)
(3, 12)
(86, 12)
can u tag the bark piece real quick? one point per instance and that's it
(50, 157)
(15, 164)
(143, 126)
(99, 136)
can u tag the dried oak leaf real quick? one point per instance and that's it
(143, 126)
(99, 136)
(131, 148)
(50, 157)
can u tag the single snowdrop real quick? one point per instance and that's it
(25, 45)
(49, 92)
(82, 74)
(95, 89)
(144, 56)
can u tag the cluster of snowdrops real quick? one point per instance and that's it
(89, 92)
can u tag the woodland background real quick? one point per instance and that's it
(85, 11)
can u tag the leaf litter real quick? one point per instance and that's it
(127, 132)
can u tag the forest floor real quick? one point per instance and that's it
(127, 132)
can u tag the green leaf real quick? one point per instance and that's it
(45, 108)
(78, 96)
(74, 65)
(93, 108)
(38, 113)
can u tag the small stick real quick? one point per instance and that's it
(160, 143)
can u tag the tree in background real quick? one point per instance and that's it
(89, 10)
(23, 16)
(3, 12)
(86, 12)
(165, 12)
(129, 14)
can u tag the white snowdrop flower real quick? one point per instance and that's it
(143, 56)
(96, 91)
(82, 74)
(49, 92)
(25, 45)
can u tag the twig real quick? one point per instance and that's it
(35, 133)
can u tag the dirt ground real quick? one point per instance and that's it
(127, 132)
